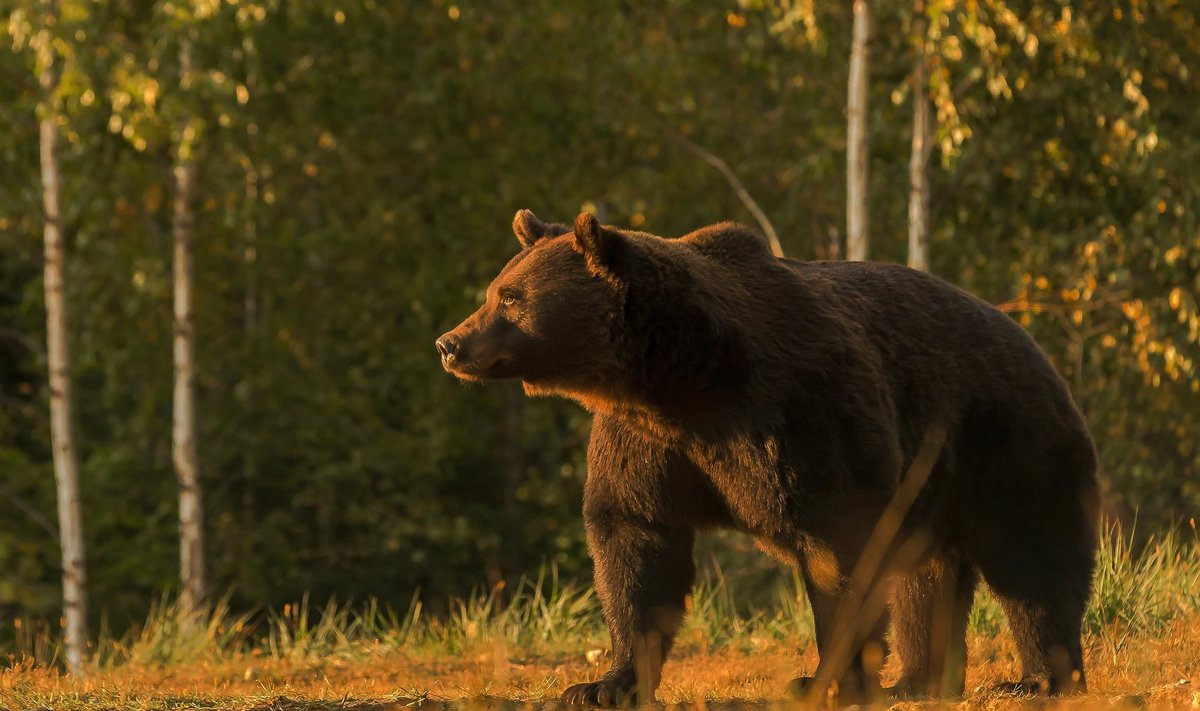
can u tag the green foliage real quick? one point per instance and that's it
(358, 166)
(1076, 206)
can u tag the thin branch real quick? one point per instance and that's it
(31, 345)
(29, 510)
(19, 80)
(30, 411)
(858, 611)
(738, 188)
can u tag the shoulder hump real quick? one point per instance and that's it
(728, 241)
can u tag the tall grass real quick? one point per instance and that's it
(540, 616)
(170, 638)
(1137, 592)
(1141, 592)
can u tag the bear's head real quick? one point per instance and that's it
(550, 316)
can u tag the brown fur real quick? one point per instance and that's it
(787, 399)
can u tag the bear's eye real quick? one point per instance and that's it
(508, 300)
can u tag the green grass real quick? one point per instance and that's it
(524, 642)
(1137, 592)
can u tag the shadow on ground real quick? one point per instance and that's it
(1110, 702)
(486, 703)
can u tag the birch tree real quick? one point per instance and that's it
(187, 469)
(922, 135)
(857, 245)
(58, 354)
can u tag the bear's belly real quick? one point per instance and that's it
(760, 506)
(785, 551)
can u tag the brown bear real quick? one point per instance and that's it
(894, 437)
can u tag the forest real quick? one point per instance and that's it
(351, 171)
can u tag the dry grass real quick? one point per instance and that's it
(1143, 649)
(1150, 674)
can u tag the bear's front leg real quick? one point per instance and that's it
(643, 574)
(641, 502)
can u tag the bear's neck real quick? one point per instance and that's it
(677, 362)
(678, 355)
(681, 350)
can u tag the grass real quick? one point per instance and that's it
(523, 645)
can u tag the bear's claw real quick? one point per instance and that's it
(605, 693)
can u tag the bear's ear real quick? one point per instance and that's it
(529, 229)
(592, 242)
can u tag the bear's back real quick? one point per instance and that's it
(800, 322)
(914, 311)
(914, 319)
(936, 342)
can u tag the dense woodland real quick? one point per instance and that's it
(357, 166)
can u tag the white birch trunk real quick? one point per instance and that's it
(857, 244)
(918, 164)
(58, 356)
(187, 470)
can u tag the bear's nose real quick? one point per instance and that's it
(447, 347)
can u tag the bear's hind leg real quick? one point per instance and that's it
(1044, 592)
(858, 679)
(1047, 633)
(930, 609)
(1028, 522)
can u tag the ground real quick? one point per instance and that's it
(521, 646)
(1163, 671)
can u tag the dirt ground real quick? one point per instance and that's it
(1156, 673)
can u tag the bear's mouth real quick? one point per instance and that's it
(495, 369)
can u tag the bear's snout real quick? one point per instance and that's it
(471, 354)
(447, 347)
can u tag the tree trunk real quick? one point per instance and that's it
(856, 146)
(187, 470)
(58, 356)
(918, 164)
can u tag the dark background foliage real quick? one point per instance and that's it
(360, 164)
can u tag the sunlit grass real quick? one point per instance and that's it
(526, 641)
